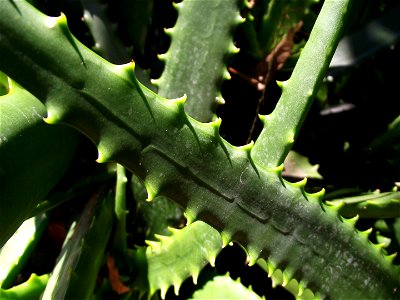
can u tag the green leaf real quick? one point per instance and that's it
(187, 161)
(282, 126)
(370, 205)
(14, 253)
(194, 63)
(38, 146)
(82, 255)
(120, 234)
(298, 166)
(224, 287)
(174, 258)
(32, 289)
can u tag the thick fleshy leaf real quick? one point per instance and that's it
(187, 161)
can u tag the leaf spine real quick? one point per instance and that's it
(173, 230)
(190, 216)
(152, 244)
(101, 158)
(316, 197)
(163, 291)
(233, 49)
(301, 289)
(379, 248)
(51, 118)
(216, 124)
(103, 154)
(282, 84)
(177, 285)
(389, 259)
(51, 22)
(239, 19)
(195, 276)
(337, 205)
(220, 100)
(276, 278)
(286, 278)
(178, 5)
(253, 255)
(271, 268)
(169, 31)
(277, 170)
(162, 57)
(179, 102)
(151, 191)
(365, 234)
(127, 69)
(226, 238)
(247, 148)
(248, 4)
(290, 138)
(211, 260)
(264, 119)
(161, 238)
(238, 280)
(155, 82)
(318, 296)
(299, 184)
(353, 220)
(226, 75)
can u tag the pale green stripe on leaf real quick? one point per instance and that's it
(82, 255)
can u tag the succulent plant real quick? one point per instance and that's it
(168, 136)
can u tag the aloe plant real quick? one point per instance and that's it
(228, 193)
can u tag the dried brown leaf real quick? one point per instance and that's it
(113, 275)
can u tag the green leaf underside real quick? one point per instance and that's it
(172, 259)
(224, 287)
(31, 289)
(187, 161)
